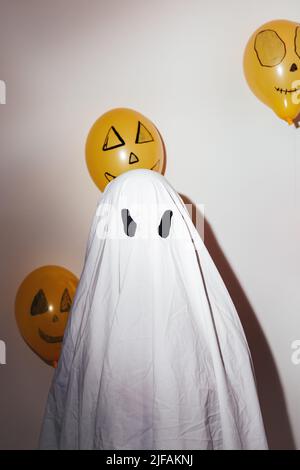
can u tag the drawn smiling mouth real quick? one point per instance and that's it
(50, 339)
(286, 90)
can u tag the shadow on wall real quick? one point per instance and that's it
(270, 392)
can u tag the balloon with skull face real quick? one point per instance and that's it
(121, 140)
(272, 67)
(42, 306)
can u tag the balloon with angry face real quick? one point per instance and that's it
(272, 67)
(121, 140)
(42, 306)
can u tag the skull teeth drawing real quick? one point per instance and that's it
(285, 91)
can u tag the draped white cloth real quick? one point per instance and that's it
(154, 354)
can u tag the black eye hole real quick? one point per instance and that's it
(128, 223)
(39, 304)
(165, 224)
(65, 303)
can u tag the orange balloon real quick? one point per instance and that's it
(121, 140)
(42, 306)
(272, 67)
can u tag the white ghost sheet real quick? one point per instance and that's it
(154, 355)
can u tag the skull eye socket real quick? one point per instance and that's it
(297, 41)
(128, 223)
(270, 48)
(39, 304)
(165, 224)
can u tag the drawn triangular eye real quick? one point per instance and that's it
(39, 304)
(128, 223)
(165, 224)
(143, 135)
(112, 140)
(66, 302)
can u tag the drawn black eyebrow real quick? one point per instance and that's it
(165, 224)
(128, 223)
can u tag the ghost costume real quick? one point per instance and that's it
(154, 355)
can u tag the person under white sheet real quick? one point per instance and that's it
(154, 355)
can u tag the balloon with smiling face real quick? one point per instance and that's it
(42, 306)
(121, 140)
(272, 67)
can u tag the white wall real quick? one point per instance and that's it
(179, 62)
